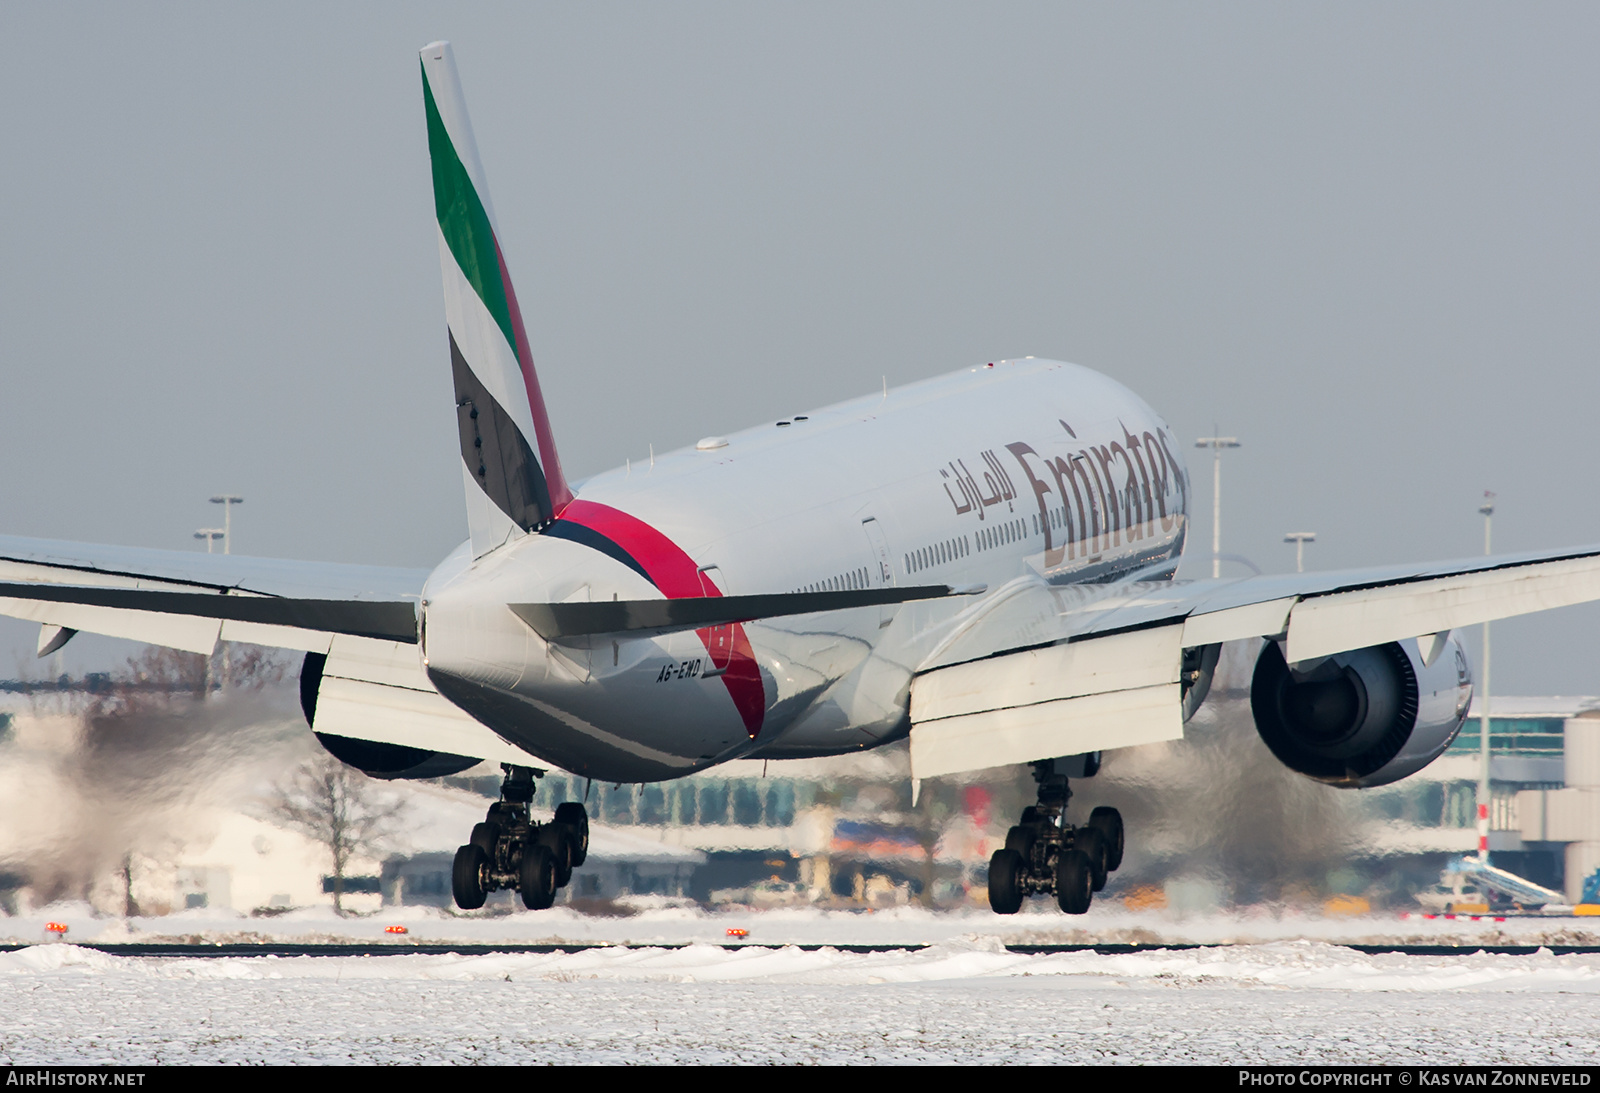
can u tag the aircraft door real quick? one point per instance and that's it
(880, 552)
(880, 559)
(718, 639)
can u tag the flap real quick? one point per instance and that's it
(1118, 662)
(1069, 726)
(193, 635)
(1090, 695)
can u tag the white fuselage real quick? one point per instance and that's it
(1019, 470)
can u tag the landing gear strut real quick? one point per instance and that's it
(1045, 854)
(510, 849)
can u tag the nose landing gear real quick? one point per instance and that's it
(510, 849)
(1046, 855)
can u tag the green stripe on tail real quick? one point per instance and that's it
(464, 221)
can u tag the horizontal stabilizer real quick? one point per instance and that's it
(555, 621)
(387, 620)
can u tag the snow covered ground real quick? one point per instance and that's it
(1289, 995)
(1038, 923)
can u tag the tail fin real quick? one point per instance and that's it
(512, 486)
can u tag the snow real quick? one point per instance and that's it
(1290, 994)
(669, 922)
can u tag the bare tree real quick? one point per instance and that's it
(336, 805)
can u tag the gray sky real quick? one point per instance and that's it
(1361, 237)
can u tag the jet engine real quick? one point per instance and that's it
(1362, 718)
(374, 759)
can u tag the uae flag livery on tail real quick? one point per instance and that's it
(513, 475)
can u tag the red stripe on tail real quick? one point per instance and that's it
(554, 478)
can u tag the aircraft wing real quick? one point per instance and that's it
(191, 601)
(1039, 671)
(358, 621)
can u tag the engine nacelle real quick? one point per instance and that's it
(370, 757)
(1363, 718)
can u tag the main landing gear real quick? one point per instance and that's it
(510, 849)
(1046, 854)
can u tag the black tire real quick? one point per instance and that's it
(1108, 821)
(558, 839)
(485, 836)
(466, 877)
(1019, 840)
(538, 878)
(1031, 816)
(1074, 884)
(1092, 844)
(1005, 882)
(576, 817)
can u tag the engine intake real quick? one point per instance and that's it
(1362, 718)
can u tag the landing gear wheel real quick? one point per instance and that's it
(466, 877)
(538, 879)
(1005, 882)
(558, 839)
(1073, 882)
(1092, 845)
(484, 837)
(1020, 840)
(1108, 821)
(576, 817)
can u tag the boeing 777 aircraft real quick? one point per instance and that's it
(983, 562)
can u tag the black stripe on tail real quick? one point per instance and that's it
(495, 451)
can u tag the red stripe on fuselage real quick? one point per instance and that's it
(677, 576)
